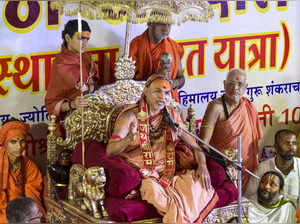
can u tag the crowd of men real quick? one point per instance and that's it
(181, 179)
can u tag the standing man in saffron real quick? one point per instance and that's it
(225, 118)
(146, 50)
(64, 93)
(19, 176)
(145, 140)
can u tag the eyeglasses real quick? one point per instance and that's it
(238, 84)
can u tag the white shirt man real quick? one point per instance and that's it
(271, 206)
(285, 163)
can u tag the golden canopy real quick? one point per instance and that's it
(165, 11)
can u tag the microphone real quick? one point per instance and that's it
(168, 119)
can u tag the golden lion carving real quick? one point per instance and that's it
(86, 189)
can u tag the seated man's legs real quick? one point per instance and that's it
(184, 201)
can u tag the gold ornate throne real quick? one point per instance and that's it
(103, 107)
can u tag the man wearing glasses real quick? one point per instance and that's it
(225, 118)
(23, 210)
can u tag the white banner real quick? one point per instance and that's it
(261, 37)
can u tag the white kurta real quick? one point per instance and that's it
(284, 214)
(291, 181)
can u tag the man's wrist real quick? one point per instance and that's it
(70, 105)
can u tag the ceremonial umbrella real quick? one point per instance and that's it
(133, 11)
(137, 11)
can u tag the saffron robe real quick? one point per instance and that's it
(147, 57)
(64, 81)
(32, 186)
(244, 120)
(185, 200)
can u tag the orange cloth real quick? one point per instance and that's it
(8, 180)
(244, 120)
(147, 57)
(7, 132)
(184, 201)
(298, 215)
(65, 75)
(32, 186)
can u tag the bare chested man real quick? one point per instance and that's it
(225, 118)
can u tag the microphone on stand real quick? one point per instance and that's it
(168, 119)
(218, 158)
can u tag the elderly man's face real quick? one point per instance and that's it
(235, 86)
(269, 189)
(158, 94)
(286, 146)
(160, 31)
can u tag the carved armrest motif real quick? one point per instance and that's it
(98, 114)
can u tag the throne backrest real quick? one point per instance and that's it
(103, 107)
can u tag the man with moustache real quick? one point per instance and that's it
(285, 163)
(271, 206)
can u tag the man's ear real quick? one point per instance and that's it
(67, 37)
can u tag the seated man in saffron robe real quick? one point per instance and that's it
(146, 50)
(19, 176)
(64, 92)
(225, 118)
(144, 139)
(271, 206)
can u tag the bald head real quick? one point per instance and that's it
(236, 71)
(235, 85)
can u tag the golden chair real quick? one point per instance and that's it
(103, 108)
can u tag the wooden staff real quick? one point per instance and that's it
(81, 88)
